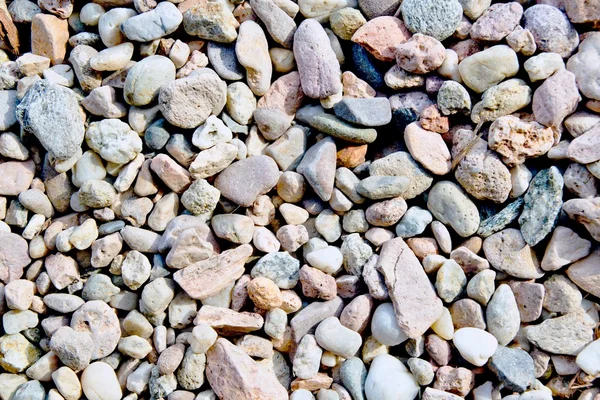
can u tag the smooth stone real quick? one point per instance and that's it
(384, 326)
(318, 167)
(564, 247)
(366, 112)
(161, 21)
(588, 358)
(475, 345)
(316, 117)
(585, 273)
(317, 63)
(252, 51)
(382, 187)
(353, 374)
(508, 252)
(583, 63)
(389, 379)
(551, 29)
(449, 204)
(502, 315)
(243, 181)
(224, 61)
(555, 98)
(489, 67)
(99, 382)
(145, 79)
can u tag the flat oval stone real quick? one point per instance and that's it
(366, 111)
(243, 181)
(451, 206)
(316, 117)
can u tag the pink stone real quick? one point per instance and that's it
(428, 148)
(15, 177)
(586, 273)
(62, 270)
(14, 255)
(172, 174)
(555, 99)
(285, 94)
(381, 35)
(420, 54)
(585, 149)
(497, 22)
(416, 304)
(317, 284)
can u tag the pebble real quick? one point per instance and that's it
(475, 345)
(497, 22)
(502, 315)
(211, 21)
(236, 181)
(508, 252)
(317, 118)
(364, 111)
(113, 58)
(74, 349)
(139, 89)
(401, 269)
(109, 25)
(587, 359)
(453, 98)
(154, 24)
(516, 140)
(561, 295)
(380, 36)
(448, 203)
(387, 378)
(61, 136)
(317, 64)
(307, 359)
(428, 148)
(567, 334)
(420, 54)
(450, 281)
(513, 367)
(556, 98)
(436, 19)
(250, 43)
(502, 99)
(543, 201)
(384, 326)
(49, 36)
(499, 62)
(99, 382)
(551, 29)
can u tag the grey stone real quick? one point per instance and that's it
(382, 187)
(316, 117)
(513, 367)
(52, 113)
(543, 202)
(243, 181)
(356, 253)
(318, 167)
(154, 24)
(32, 390)
(567, 334)
(374, 111)
(414, 222)
(501, 220)
(502, 315)
(280, 25)
(280, 267)
(353, 374)
(378, 8)
(451, 206)
(224, 61)
(551, 29)
(436, 18)
(308, 318)
(8, 103)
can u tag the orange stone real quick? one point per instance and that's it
(351, 156)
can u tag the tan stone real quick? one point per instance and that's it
(228, 322)
(381, 35)
(208, 277)
(586, 273)
(232, 374)
(49, 37)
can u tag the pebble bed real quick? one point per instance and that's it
(299, 199)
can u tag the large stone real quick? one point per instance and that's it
(318, 66)
(556, 98)
(243, 181)
(154, 24)
(415, 302)
(551, 29)
(381, 35)
(389, 379)
(233, 375)
(402, 164)
(568, 334)
(51, 112)
(513, 367)
(438, 19)
(206, 278)
(100, 321)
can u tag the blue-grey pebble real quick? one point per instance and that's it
(157, 135)
(366, 67)
(353, 374)
(374, 111)
(224, 61)
(110, 227)
(513, 367)
(154, 24)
